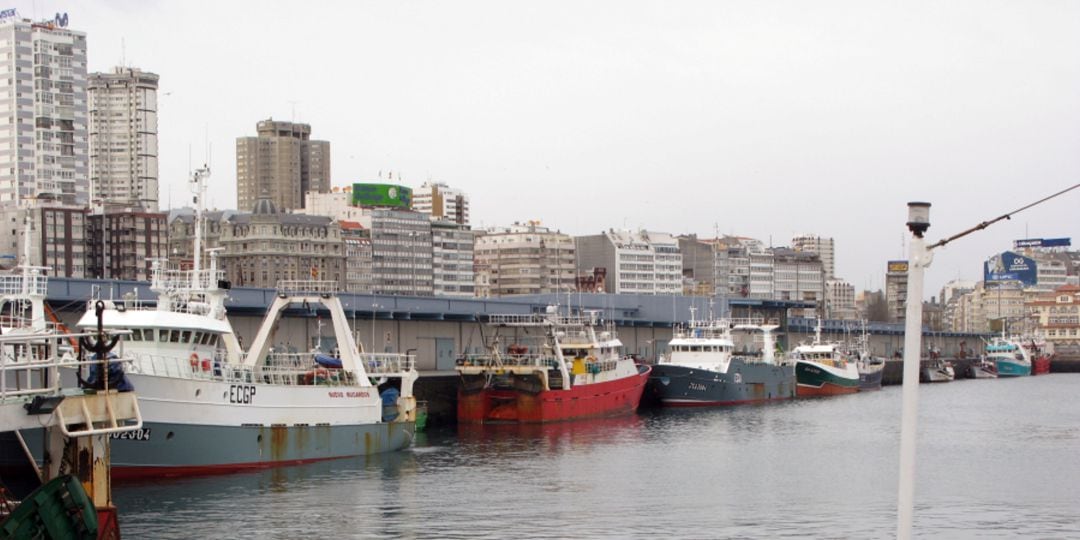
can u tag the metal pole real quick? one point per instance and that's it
(920, 258)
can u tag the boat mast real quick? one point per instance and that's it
(198, 187)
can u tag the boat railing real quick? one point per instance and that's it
(10, 321)
(170, 279)
(27, 376)
(305, 287)
(387, 363)
(754, 321)
(547, 361)
(193, 367)
(28, 284)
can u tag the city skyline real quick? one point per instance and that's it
(763, 120)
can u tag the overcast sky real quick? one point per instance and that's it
(756, 118)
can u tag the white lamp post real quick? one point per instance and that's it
(919, 258)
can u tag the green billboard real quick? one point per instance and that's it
(381, 195)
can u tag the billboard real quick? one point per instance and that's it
(391, 195)
(897, 267)
(1009, 266)
(1042, 242)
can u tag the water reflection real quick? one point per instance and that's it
(994, 460)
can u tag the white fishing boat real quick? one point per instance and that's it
(702, 369)
(937, 370)
(824, 368)
(74, 420)
(209, 406)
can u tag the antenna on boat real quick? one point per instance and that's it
(198, 187)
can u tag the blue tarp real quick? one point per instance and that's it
(328, 361)
(117, 379)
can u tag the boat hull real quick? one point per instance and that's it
(513, 405)
(745, 382)
(210, 426)
(937, 375)
(1040, 365)
(165, 449)
(1009, 368)
(987, 371)
(815, 380)
(871, 379)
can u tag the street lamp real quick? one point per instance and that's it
(374, 306)
(919, 259)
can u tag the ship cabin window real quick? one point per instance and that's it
(695, 348)
(163, 335)
(196, 337)
(136, 334)
(174, 336)
(214, 340)
(205, 339)
(185, 336)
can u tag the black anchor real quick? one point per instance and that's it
(100, 346)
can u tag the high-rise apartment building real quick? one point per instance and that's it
(442, 202)
(524, 259)
(452, 246)
(896, 290)
(823, 247)
(123, 137)
(798, 275)
(636, 262)
(282, 164)
(123, 242)
(840, 300)
(401, 252)
(43, 112)
(57, 236)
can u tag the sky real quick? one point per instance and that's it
(756, 118)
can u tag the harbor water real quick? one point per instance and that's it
(996, 458)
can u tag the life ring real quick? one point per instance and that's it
(194, 361)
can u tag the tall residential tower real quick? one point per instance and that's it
(282, 164)
(43, 121)
(123, 137)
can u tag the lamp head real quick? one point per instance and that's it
(918, 218)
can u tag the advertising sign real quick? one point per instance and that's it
(1042, 242)
(391, 195)
(1009, 266)
(898, 267)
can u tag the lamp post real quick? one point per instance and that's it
(918, 260)
(374, 306)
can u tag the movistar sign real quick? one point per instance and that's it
(1042, 242)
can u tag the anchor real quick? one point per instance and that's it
(101, 345)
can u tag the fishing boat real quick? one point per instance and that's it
(1009, 357)
(871, 368)
(64, 492)
(210, 407)
(982, 369)
(871, 371)
(701, 368)
(1040, 352)
(824, 369)
(935, 370)
(556, 367)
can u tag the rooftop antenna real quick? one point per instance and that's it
(123, 53)
(293, 104)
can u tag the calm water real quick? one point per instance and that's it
(997, 458)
